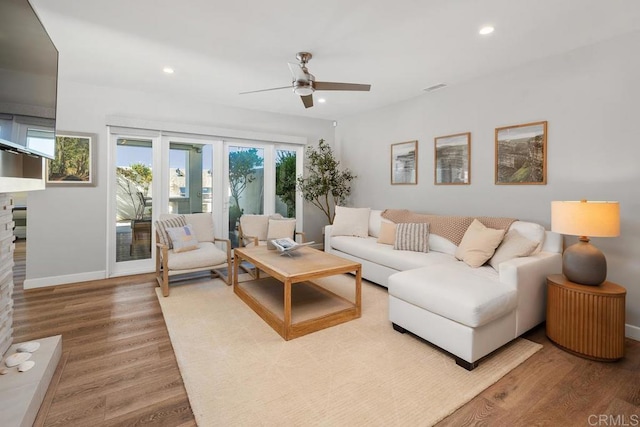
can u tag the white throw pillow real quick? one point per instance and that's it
(531, 231)
(440, 244)
(351, 222)
(375, 219)
(514, 245)
(281, 228)
(478, 244)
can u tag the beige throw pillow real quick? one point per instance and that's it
(514, 245)
(387, 233)
(478, 244)
(183, 238)
(351, 222)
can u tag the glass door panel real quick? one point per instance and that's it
(134, 178)
(190, 178)
(285, 197)
(246, 185)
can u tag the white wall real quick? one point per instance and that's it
(589, 98)
(66, 240)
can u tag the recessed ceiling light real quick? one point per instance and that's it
(487, 29)
(322, 100)
(168, 70)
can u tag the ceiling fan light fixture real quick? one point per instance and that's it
(303, 88)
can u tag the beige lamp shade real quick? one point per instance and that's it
(586, 218)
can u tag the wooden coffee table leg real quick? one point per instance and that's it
(359, 291)
(287, 310)
(236, 263)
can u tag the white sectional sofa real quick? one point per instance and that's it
(466, 311)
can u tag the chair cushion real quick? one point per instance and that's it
(471, 296)
(255, 225)
(368, 249)
(202, 224)
(281, 228)
(183, 238)
(168, 221)
(206, 255)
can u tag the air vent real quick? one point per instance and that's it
(435, 87)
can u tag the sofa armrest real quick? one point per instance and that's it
(529, 276)
(327, 238)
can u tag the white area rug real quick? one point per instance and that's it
(239, 371)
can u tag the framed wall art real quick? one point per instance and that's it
(74, 164)
(452, 154)
(404, 163)
(521, 154)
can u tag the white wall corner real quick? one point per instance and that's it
(45, 282)
(632, 332)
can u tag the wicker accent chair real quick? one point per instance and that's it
(205, 257)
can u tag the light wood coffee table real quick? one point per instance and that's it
(317, 301)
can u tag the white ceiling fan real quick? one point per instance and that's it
(304, 83)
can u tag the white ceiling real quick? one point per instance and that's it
(400, 47)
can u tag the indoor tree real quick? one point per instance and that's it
(325, 185)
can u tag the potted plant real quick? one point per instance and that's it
(325, 185)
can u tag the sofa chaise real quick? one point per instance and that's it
(466, 310)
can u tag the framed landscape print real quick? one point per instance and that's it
(452, 159)
(404, 163)
(74, 164)
(521, 154)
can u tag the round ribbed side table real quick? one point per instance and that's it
(587, 321)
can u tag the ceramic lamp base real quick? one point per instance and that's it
(585, 264)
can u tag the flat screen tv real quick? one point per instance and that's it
(28, 81)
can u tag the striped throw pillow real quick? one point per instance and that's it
(162, 226)
(412, 237)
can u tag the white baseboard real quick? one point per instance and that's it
(45, 282)
(632, 332)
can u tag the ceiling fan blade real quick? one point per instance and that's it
(266, 90)
(341, 86)
(307, 100)
(297, 72)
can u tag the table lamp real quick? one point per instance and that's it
(582, 262)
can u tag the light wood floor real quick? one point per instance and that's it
(118, 366)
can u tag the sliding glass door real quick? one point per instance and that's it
(134, 195)
(245, 181)
(154, 173)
